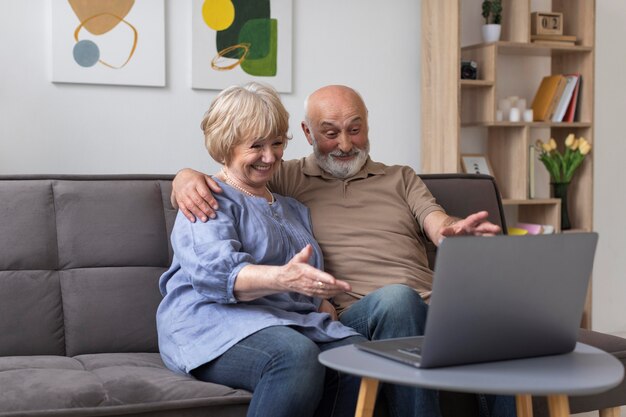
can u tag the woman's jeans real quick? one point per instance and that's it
(280, 367)
(398, 311)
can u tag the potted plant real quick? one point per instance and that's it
(492, 12)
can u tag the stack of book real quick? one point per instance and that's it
(554, 40)
(556, 98)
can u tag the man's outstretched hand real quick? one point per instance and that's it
(192, 193)
(475, 224)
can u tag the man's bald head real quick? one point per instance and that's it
(333, 96)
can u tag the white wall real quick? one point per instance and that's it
(609, 290)
(72, 128)
(371, 45)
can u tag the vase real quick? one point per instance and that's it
(491, 33)
(559, 190)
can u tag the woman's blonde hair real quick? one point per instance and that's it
(240, 114)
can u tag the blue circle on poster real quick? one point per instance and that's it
(86, 53)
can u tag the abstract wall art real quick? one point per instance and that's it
(108, 42)
(235, 41)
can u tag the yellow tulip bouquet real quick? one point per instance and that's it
(562, 166)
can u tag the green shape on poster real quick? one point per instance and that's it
(257, 33)
(265, 66)
(245, 10)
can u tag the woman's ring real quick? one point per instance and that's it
(320, 285)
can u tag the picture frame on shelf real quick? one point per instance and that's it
(476, 164)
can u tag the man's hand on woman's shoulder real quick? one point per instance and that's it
(192, 193)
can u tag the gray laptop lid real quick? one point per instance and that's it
(507, 297)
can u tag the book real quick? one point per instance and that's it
(547, 95)
(570, 113)
(531, 172)
(566, 98)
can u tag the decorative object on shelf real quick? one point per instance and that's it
(559, 190)
(492, 12)
(535, 228)
(511, 108)
(476, 164)
(562, 166)
(546, 23)
(528, 115)
(469, 70)
(514, 115)
(547, 29)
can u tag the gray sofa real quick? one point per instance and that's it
(80, 259)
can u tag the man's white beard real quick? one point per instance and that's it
(341, 169)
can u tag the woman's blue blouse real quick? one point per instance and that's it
(199, 317)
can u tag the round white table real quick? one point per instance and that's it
(584, 371)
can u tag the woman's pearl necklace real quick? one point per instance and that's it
(246, 192)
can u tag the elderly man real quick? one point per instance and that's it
(371, 221)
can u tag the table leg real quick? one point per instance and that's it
(558, 405)
(524, 405)
(367, 397)
(610, 412)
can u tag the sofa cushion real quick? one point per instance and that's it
(110, 223)
(27, 226)
(31, 315)
(143, 378)
(110, 309)
(42, 383)
(107, 384)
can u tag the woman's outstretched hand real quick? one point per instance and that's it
(299, 276)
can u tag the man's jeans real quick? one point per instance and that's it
(279, 365)
(398, 311)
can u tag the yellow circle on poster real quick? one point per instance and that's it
(218, 14)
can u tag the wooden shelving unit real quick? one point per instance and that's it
(450, 105)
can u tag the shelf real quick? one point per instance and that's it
(452, 108)
(476, 83)
(529, 49)
(530, 202)
(562, 125)
(576, 231)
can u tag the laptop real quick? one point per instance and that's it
(500, 298)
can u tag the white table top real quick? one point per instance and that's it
(586, 370)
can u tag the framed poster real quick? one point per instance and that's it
(108, 42)
(236, 41)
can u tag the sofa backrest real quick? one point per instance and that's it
(464, 194)
(80, 259)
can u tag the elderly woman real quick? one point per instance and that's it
(243, 298)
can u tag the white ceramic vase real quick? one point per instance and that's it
(491, 33)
